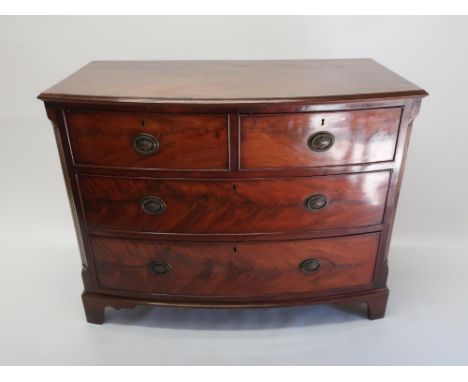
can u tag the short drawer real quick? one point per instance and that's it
(230, 269)
(188, 206)
(157, 141)
(304, 140)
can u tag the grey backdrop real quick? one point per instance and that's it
(42, 319)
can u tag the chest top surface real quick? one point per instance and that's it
(231, 82)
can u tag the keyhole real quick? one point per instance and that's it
(234, 250)
(234, 188)
(323, 121)
(142, 123)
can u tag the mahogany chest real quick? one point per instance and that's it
(233, 183)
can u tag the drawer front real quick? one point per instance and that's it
(158, 141)
(234, 207)
(304, 140)
(230, 269)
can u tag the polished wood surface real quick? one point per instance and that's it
(186, 141)
(230, 269)
(233, 170)
(273, 141)
(235, 207)
(95, 303)
(231, 81)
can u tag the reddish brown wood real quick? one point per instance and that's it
(377, 305)
(186, 141)
(273, 141)
(95, 304)
(93, 308)
(376, 302)
(231, 81)
(235, 207)
(241, 109)
(236, 269)
(409, 115)
(124, 302)
(247, 107)
(88, 272)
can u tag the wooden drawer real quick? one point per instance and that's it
(230, 269)
(157, 141)
(234, 206)
(303, 140)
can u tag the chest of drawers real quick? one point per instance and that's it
(233, 183)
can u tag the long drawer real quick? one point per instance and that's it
(230, 269)
(301, 140)
(149, 141)
(191, 206)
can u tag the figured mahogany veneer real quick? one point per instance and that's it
(246, 270)
(360, 136)
(185, 141)
(234, 207)
(233, 183)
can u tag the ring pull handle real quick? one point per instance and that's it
(160, 267)
(309, 265)
(145, 144)
(316, 202)
(321, 141)
(153, 205)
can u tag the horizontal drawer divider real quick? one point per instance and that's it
(127, 172)
(237, 237)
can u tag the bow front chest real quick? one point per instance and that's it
(233, 183)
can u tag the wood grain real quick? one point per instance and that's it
(234, 207)
(281, 140)
(233, 169)
(231, 81)
(186, 141)
(230, 269)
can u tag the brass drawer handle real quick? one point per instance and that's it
(160, 267)
(316, 202)
(153, 205)
(309, 265)
(145, 144)
(321, 141)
